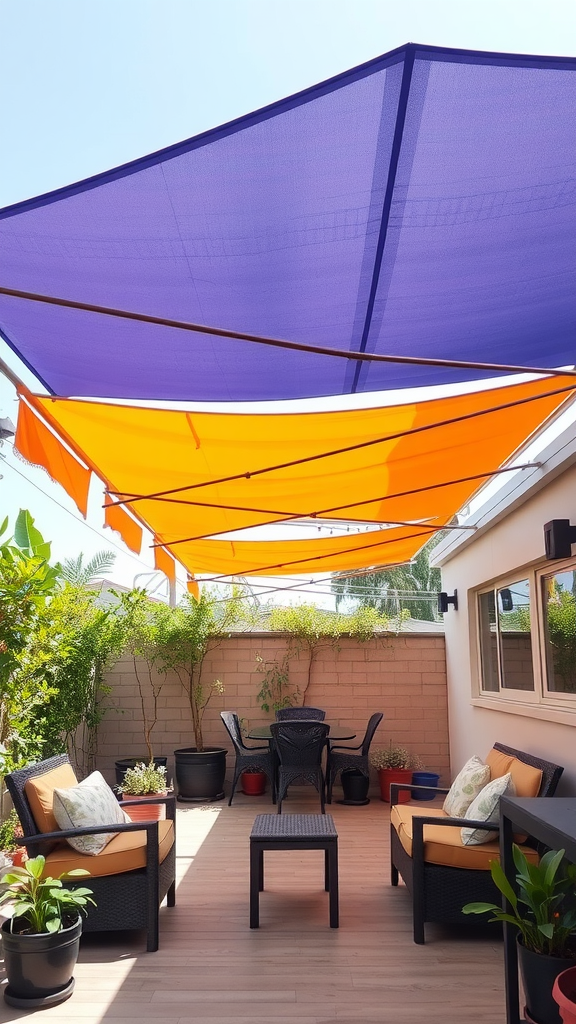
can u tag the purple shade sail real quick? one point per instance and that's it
(423, 204)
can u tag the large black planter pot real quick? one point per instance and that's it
(539, 973)
(40, 967)
(124, 763)
(355, 785)
(200, 776)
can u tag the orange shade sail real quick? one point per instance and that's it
(39, 446)
(212, 473)
(117, 519)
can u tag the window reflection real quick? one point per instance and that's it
(506, 638)
(560, 631)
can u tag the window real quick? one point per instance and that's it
(559, 608)
(506, 639)
(526, 642)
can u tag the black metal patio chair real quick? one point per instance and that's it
(299, 746)
(300, 714)
(248, 757)
(342, 758)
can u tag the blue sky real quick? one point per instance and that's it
(87, 86)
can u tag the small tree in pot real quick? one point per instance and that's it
(188, 633)
(41, 940)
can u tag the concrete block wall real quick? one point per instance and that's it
(404, 676)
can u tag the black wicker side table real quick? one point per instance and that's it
(293, 832)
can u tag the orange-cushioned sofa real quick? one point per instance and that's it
(440, 872)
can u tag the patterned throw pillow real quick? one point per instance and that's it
(466, 786)
(91, 802)
(486, 807)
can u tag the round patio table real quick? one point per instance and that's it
(337, 732)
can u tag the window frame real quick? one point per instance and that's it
(552, 703)
(505, 693)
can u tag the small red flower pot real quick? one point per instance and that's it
(18, 857)
(388, 775)
(253, 783)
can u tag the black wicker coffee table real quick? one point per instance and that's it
(293, 832)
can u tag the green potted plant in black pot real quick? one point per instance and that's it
(40, 941)
(544, 912)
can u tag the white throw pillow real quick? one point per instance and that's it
(470, 780)
(91, 802)
(486, 807)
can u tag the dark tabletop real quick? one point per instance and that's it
(337, 732)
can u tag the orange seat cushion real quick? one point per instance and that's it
(443, 843)
(125, 852)
(40, 793)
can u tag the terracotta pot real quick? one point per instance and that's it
(388, 775)
(18, 857)
(564, 993)
(253, 783)
(147, 812)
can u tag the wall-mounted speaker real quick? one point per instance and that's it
(559, 536)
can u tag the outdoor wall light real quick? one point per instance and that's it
(444, 601)
(559, 536)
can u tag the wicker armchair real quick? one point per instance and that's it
(300, 714)
(248, 757)
(440, 891)
(342, 758)
(126, 899)
(299, 747)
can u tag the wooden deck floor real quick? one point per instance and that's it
(212, 969)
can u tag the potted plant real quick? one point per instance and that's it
(189, 632)
(140, 783)
(40, 942)
(394, 764)
(544, 912)
(253, 781)
(10, 833)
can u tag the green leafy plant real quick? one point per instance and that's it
(544, 909)
(394, 757)
(145, 627)
(43, 903)
(26, 582)
(72, 646)
(143, 779)
(276, 692)
(401, 592)
(11, 833)
(187, 633)
(311, 629)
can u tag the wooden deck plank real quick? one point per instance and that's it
(212, 969)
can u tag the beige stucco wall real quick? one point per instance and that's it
(515, 543)
(403, 676)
